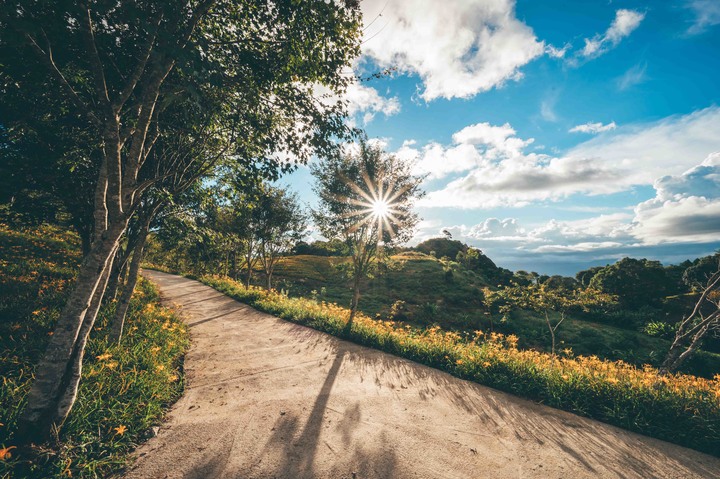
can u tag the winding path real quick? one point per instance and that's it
(266, 398)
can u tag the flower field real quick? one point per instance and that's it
(125, 388)
(678, 408)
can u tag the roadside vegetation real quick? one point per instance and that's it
(126, 388)
(678, 408)
(423, 291)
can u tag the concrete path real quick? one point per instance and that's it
(270, 399)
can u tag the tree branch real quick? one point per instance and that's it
(46, 58)
(98, 73)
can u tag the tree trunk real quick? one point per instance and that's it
(54, 370)
(116, 274)
(68, 397)
(679, 352)
(118, 321)
(233, 264)
(552, 334)
(248, 277)
(355, 300)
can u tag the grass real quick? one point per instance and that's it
(125, 388)
(678, 408)
(433, 297)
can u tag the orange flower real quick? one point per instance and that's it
(5, 453)
(120, 430)
(104, 357)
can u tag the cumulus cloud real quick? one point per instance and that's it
(686, 207)
(366, 100)
(685, 210)
(363, 102)
(492, 169)
(593, 128)
(458, 47)
(625, 22)
(706, 14)
(651, 150)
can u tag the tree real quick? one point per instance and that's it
(544, 299)
(280, 225)
(366, 200)
(636, 282)
(442, 247)
(585, 276)
(119, 66)
(704, 316)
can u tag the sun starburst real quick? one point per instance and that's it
(374, 205)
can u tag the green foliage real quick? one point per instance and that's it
(440, 247)
(127, 387)
(697, 273)
(334, 247)
(660, 329)
(366, 199)
(676, 408)
(635, 282)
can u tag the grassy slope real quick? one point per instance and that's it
(433, 298)
(125, 389)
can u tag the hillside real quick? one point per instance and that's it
(422, 290)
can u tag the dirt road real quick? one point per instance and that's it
(270, 399)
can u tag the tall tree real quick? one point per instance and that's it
(366, 200)
(636, 282)
(281, 223)
(119, 66)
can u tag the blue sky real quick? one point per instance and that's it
(555, 135)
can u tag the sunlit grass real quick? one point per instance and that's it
(125, 389)
(678, 408)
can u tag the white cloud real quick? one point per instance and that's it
(556, 52)
(648, 151)
(458, 47)
(685, 210)
(625, 22)
(706, 13)
(686, 207)
(593, 128)
(547, 108)
(362, 101)
(366, 100)
(635, 75)
(496, 229)
(498, 172)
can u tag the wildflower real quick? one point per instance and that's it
(5, 453)
(103, 357)
(120, 430)
(459, 362)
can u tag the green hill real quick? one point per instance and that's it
(421, 290)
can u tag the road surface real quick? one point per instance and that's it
(266, 398)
